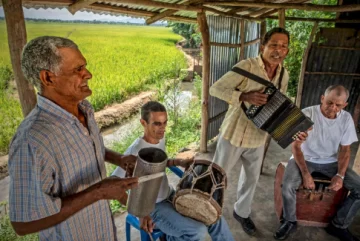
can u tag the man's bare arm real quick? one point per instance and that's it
(308, 181)
(110, 188)
(343, 159)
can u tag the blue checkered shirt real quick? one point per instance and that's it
(52, 155)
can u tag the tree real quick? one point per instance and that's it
(299, 36)
(188, 31)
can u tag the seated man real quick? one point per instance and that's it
(173, 224)
(326, 150)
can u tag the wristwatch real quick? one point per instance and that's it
(342, 177)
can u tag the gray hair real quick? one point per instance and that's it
(42, 53)
(339, 90)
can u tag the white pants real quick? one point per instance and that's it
(226, 156)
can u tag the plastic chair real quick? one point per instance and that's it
(134, 221)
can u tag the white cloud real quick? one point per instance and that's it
(64, 14)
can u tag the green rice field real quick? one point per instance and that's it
(123, 59)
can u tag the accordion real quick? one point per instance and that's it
(279, 117)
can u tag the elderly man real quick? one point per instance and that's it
(326, 150)
(58, 184)
(175, 226)
(239, 139)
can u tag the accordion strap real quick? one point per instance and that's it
(257, 79)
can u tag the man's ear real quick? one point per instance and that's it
(262, 48)
(322, 99)
(46, 78)
(345, 104)
(143, 122)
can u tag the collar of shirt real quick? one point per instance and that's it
(49, 106)
(262, 65)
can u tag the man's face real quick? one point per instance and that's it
(71, 82)
(155, 127)
(332, 103)
(276, 49)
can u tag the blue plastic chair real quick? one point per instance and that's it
(131, 220)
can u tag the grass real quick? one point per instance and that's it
(124, 60)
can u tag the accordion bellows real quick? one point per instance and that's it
(280, 117)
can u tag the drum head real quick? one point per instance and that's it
(198, 206)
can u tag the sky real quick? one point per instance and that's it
(64, 14)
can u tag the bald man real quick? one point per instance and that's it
(326, 150)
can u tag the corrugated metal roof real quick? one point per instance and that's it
(147, 10)
(334, 58)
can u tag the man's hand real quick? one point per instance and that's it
(185, 163)
(254, 98)
(115, 188)
(336, 183)
(128, 164)
(308, 181)
(147, 224)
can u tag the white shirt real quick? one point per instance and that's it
(133, 149)
(322, 144)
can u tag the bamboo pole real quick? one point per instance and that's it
(327, 20)
(242, 40)
(204, 29)
(16, 32)
(282, 18)
(303, 66)
(298, 6)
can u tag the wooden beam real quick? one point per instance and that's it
(79, 4)
(260, 12)
(281, 18)
(238, 10)
(204, 29)
(242, 40)
(265, 15)
(356, 114)
(333, 73)
(356, 166)
(298, 6)
(235, 45)
(166, 13)
(233, 15)
(157, 4)
(140, 13)
(262, 32)
(225, 45)
(16, 31)
(317, 19)
(303, 66)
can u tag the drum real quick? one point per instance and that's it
(200, 192)
(313, 207)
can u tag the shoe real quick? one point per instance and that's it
(285, 229)
(342, 233)
(246, 223)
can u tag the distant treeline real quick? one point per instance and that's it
(87, 21)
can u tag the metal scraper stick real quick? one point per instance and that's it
(150, 177)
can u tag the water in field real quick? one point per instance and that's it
(117, 133)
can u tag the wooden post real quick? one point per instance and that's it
(282, 18)
(356, 166)
(303, 66)
(262, 32)
(242, 40)
(204, 29)
(356, 114)
(16, 31)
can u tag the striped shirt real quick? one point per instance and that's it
(52, 155)
(236, 127)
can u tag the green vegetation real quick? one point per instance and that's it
(189, 31)
(299, 36)
(124, 60)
